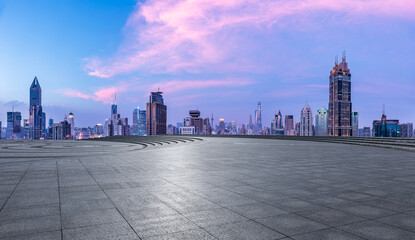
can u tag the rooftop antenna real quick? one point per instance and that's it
(383, 109)
(115, 98)
(336, 61)
(344, 56)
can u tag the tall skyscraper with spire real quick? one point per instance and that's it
(306, 121)
(36, 115)
(258, 119)
(340, 102)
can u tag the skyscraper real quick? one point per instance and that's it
(277, 127)
(142, 119)
(36, 115)
(321, 122)
(306, 121)
(386, 127)
(289, 125)
(71, 121)
(355, 124)
(116, 126)
(134, 127)
(156, 115)
(340, 102)
(14, 125)
(258, 119)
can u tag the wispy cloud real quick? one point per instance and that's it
(180, 85)
(105, 95)
(191, 35)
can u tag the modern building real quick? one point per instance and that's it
(190, 130)
(277, 126)
(156, 123)
(195, 120)
(26, 127)
(71, 121)
(365, 132)
(250, 128)
(37, 118)
(97, 131)
(134, 127)
(258, 119)
(61, 131)
(172, 130)
(306, 121)
(207, 129)
(321, 122)
(340, 102)
(14, 125)
(222, 126)
(116, 126)
(386, 128)
(289, 129)
(355, 124)
(407, 130)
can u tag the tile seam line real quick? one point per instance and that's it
(27, 169)
(110, 199)
(60, 203)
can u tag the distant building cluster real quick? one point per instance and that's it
(338, 119)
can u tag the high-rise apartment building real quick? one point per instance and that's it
(355, 124)
(340, 102)
(134, 127)
(386, 127)
(71, 121)
(14, 125)
(37, 118)
(156, 123)
(289, 126)
(277, 126)
(26, 127)
(407, 130)
(116, 126)
(258, 119)
(306, 121)
(321, 122)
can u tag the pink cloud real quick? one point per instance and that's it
(105, 95)
(177, 35)
(179, 85)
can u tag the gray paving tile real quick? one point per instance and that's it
(365, 211)
(214, 217)
(327, 234)
(404, 221)
(376, 230)
(29, 226)
(257, 210)
(243, 230)
(291, 224)
(162, 225)
(85, 205)
(185, 235)
(331, 216)
(119, 230)
(82, 219)
(293, 205)
(54, 235)
(30, 212)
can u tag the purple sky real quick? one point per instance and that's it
(220, 57)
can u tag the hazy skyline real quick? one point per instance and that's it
(220, 57)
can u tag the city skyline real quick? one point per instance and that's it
(280, 63)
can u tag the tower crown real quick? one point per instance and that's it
(35, 83)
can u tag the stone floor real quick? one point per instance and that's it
(213, 188)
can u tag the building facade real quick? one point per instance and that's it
(355, 124)
(340, 102)
(156, 123)
(321, 122)
(14, 125)
(37, 118)
(258, 119)
(289, 128)
(386, 127)
(306, 121)
(277, 126)
(116, 125)
(407, 130)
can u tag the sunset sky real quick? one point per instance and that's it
(220, 57)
